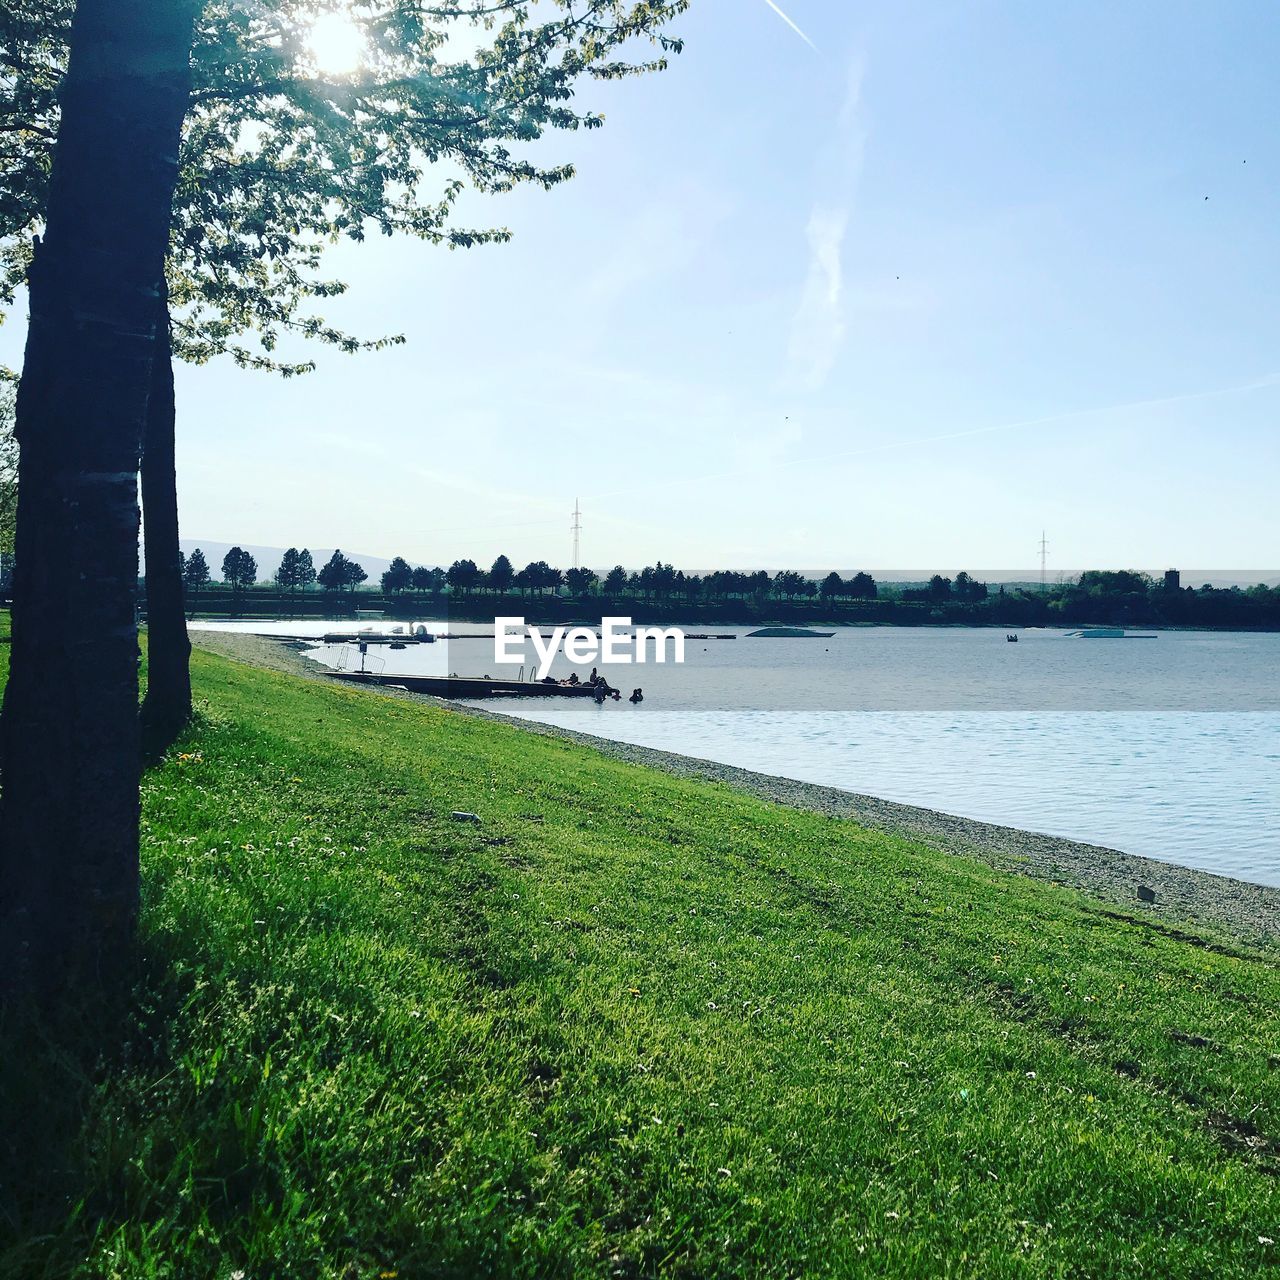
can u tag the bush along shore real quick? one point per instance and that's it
(625, 1024)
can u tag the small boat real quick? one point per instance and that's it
(1012, 639)
(788, 633)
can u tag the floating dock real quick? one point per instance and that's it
(789, 633)
(466, 686)
(1108, 633)
(377, 637)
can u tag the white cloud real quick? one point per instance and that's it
(818, 329)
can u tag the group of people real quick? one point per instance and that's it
(600, 688)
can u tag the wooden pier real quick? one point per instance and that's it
(407, 638)
(466, 686)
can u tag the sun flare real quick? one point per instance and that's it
(337, 44)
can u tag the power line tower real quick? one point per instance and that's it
(1044, 560)
(576, 529)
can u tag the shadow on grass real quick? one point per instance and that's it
(159, 735)
(75, 1062)
(57, 1059)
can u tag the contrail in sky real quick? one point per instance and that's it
(792, 25)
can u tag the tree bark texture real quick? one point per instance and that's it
(69, 744)
(167, 705)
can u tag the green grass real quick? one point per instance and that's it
(629, 1025)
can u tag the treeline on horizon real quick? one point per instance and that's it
(1121, 596)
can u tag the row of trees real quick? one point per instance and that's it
(654, 582)
(1117, 595)
(464, 577)
(1120, 595)
(400, 576)
(297, 571)
(964, 590)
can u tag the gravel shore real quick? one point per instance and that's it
(1184, 898)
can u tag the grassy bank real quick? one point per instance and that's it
(626, 1025)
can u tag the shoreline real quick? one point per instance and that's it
(1184, 896)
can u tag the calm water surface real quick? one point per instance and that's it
(1167, 747)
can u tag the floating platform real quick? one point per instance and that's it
(374, 637)
(1108, 633)
(466, 686)
(789, 633)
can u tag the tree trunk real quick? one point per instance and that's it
(69, 748)
(167, 705)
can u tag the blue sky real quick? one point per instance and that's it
(899, 298)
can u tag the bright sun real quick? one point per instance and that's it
(336, 43)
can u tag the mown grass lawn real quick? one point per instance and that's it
(627, 1025)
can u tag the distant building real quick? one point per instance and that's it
(1172, 580)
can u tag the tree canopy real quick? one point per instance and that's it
(341, 574)
(195, 570)
(280, 158)
(239, 569)
(501, 575)
(463, 576)
(287, 573)
(398, 576)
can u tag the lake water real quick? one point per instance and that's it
(1168, 747)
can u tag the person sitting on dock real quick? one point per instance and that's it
(573, 678)
(637, 695)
